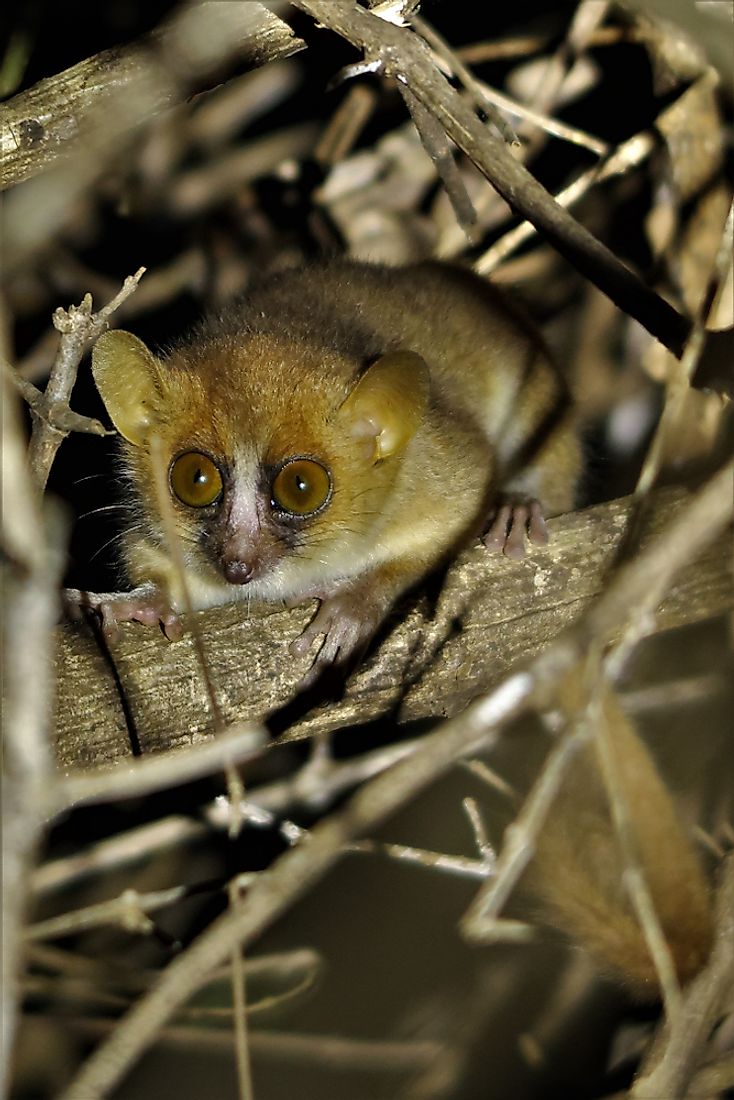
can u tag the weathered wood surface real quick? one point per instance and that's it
(52, 119)
(490, 613)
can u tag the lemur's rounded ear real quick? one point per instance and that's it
(128, 378)
(387, 404)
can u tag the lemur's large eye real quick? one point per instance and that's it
(195, 479)
(301, 487)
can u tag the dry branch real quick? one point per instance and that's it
(49, 121)
(427, 667)
(406, 57)
(33, 542)
(52, 417)
(200, 39)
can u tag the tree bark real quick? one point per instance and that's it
(490, 614)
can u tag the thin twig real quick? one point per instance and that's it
(535, 121)
(639, 585)
(345, 125)
(522, 45)
(482, 96)
(60, 417)
(630, 154)
(205, 185)
(300, 965)
(677, 388)
(436, 144)
(552, 126)
(633, 874)
(481, 923)
(184, 272)
(481, 838)
(366, 1056)
(219, 115)
(33, 542)
(239, 1007)
(137, 777)
(299, 791)
(78, 327)
(462, 866)
(487, 97)
(123, 850)
(679, 692)
(491, 778)
(262, 809)
(129, 910)
(587, 17)
(78, 978)
(679, 381)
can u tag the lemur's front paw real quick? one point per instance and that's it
(348, 622)
(514, 522)
(145, 604)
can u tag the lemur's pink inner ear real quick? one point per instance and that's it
(387, 404)
(128, 376)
